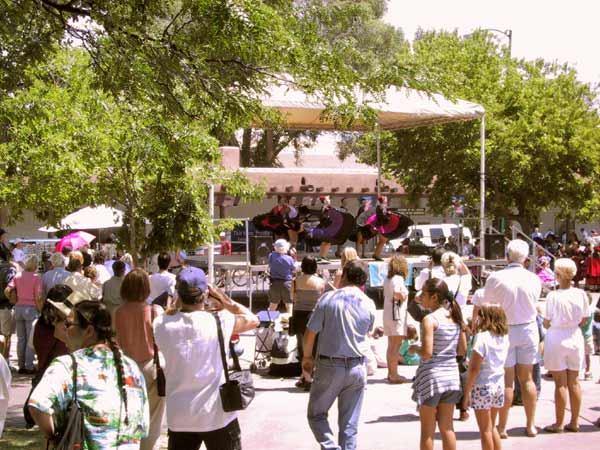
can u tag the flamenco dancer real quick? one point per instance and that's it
(386, 225)
(363, 231)
(283, 220)
(334, 228)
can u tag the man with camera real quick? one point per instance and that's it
(193, 368)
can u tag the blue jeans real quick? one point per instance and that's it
(344, 381)
(24, 317)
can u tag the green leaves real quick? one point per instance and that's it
(542, 137)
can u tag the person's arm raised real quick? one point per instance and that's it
(245, 320)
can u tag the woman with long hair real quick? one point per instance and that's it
(110, 387)
(348, 254)
(133, 326)
(395, 296)
(26, 291)
(436, 388)
(306, 291)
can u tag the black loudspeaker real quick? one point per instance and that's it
(495, 246)
(260, 247)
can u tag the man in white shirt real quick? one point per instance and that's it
(162, 283)
(517, 290)
(435, 271)
(5, 380)
(193, 367)
(55, 276)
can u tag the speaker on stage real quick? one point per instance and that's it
(260, 247)
(495, 246)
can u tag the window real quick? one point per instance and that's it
(436, 233)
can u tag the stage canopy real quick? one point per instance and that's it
(398, 108)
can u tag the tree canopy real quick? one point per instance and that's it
(68, 144)
(542, 133)
(124, 102)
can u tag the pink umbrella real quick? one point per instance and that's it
(75, 240)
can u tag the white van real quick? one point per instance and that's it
(429, 235)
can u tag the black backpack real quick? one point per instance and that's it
(7, 273)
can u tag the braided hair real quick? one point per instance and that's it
(95, 314)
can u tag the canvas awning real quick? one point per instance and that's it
(399, 108)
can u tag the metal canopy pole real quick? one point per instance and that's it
(482, 192)
(211, 213)
(248, 268)
(378, 146)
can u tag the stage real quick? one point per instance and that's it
(235, 272)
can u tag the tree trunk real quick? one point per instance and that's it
(245, 155)
(269, 147)
(133, 249)
(4, 215)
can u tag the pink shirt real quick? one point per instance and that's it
(133, 324)
(28, 286)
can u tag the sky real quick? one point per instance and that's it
(566, 31)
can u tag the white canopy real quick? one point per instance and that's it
(90, 218)
(400, 108)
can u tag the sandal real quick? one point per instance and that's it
(503, 434)
(301, 383)
(399, 380)
(553, 429)
(571, 429)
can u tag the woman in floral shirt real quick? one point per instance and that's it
(110, 387)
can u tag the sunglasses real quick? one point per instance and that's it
(68, 323)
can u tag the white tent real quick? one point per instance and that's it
(399, 108)
(90, 218)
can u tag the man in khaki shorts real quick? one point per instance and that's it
(517, 291)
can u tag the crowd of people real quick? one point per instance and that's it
(132, 349)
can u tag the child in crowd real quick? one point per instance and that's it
(588, 340)
(596, 331)
(376, 354)
(484, 389)
(462, 369)
(406, 358)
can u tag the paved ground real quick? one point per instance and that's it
(276, 419)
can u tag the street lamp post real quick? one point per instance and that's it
(507, 33)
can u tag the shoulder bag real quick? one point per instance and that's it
(73, 435)
(161, 382)
(238, 390)
(416, 311)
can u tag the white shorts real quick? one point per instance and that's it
(523, 344)
(487, 396)
(7, 321)
(563, 349)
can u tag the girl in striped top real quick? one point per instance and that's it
(436, 388)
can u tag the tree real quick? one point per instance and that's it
(542, 133)
(372, 48)
(69, 144)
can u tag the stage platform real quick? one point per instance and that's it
(234, 273)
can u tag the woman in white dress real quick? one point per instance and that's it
(566, 309)
(395, 296)
(457, 278)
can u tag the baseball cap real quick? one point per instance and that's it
(191, 282)
(72, 300)
(18, 241)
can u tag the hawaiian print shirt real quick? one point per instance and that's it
(99, 397)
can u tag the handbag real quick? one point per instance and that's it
(161, 382)
(416, 311)
(238, 390)
(73, 435)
